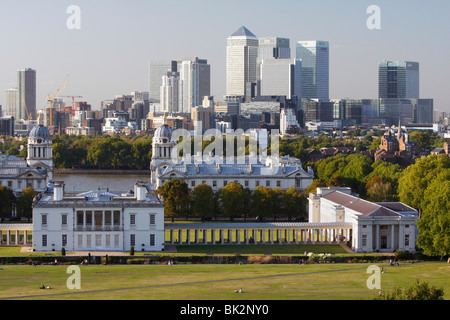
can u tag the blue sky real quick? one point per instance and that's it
(110, 54)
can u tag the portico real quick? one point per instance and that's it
(15, 234)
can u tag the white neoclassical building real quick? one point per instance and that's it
(98, 221)
(283, 172)
(36, 170)
(375, 227)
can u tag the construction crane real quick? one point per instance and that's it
(29, 115)
(73, 102)
(51, 99)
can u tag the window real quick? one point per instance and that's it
(132, 219)
(383, 227)
(108, 240)
(406, 226)
(89, 218)
(64, 240)
(116, 240)
(364, 240)
(406, 240)
(80, 218)
(152, 219)
(278, 183)
(117, 218)
(88, 240)
(152, 240)
(268, 183)
(80, 240)
(225, 182)
(44, 219)
(364, 226)
(98, 240)
(214, 183)
(64, 219)
(44, 240)
(257, 183)
(192, 183)
(132, 240)
(9, 184)
(107, 218)
(246, 183)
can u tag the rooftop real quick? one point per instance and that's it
(243, 32)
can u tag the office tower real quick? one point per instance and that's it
(157, 69)
(11, 102)
(398, 80)
(195, 83)
(169, 92)
(242, 53)
(315, 58)
(281, 77)
(271, 48)
(26, 94)
(423, 111)
(393, 110)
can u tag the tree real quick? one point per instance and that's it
(7, 202)
(233, 200)
(176, 198)
(434, 222)
(295, 204)
(25, 203)
(417, 177)
(203, 201)
(379, 190)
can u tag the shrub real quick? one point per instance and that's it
(132, 251)
(63, 252)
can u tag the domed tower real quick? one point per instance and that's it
(40, 150)
(162, 144)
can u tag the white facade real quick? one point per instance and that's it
(98, 221)
(114, 125)
(376, 227)
(195, 83)
(281, 77)
(288, 120)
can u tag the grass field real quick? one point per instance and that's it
(215, 282)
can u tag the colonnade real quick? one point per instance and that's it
(13, 235)
(201, 234)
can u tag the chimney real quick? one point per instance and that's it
(140, 191)
(58, 191)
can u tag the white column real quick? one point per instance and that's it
(246, 236)
(221, 236)
(188, 236)
(401, 237)
(377, 237)
(392, 237)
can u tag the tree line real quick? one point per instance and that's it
(231, 202)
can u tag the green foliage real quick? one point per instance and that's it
(419, 291)
(132, 251)
(176, 196)
(25, 203)
(203, 201)
(7, 201)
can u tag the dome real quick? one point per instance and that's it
(40, 132)
(163, 133)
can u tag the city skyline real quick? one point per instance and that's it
(111, 52)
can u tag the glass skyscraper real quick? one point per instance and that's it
(398, 80)
(158, 69)
(26, 94)
(242, 54)
(315, 58)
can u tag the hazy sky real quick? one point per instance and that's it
(109, 55)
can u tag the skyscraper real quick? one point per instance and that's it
(242, 53)
(398, 80)
(11, 102)
(315, 58)
(195, 83)
(26, 94)
(169, 92)
(157, 69)
(281, 77)
(271, 48)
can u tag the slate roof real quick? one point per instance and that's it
(365, 208)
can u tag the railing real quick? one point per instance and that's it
(98, 228)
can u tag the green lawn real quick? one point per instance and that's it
(215, 282)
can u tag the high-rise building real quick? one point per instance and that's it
(242, 53)
(169, 92)
(195, 83)
(157, 69)
(398, 80)
(315, 56)
(26, 94)
(281, 77)
(11, 102)
(271, 48)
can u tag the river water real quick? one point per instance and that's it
(119, 183)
